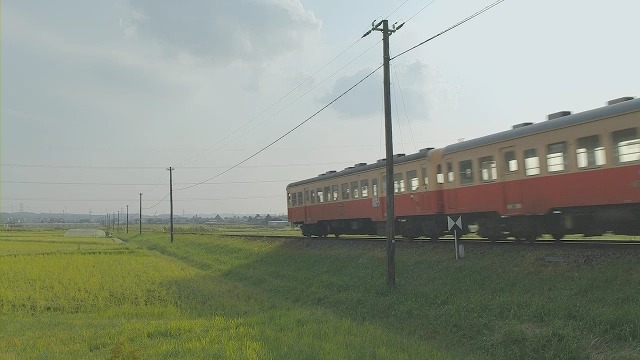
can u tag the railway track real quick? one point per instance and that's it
(583, 243)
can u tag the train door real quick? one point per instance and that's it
(511, 186)
(382, 196)
(450, 187)
(306, 206)
(425, 201)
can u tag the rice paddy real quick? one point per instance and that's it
(212, 296)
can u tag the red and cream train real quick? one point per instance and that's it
(572, 174)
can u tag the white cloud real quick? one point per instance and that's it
(251, 31)
(415, 88)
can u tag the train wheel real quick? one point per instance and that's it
(531, 237)
(321, 231)
(434, 236)
(489, 229)
(337, 235)
(557, 236)
(306, 230)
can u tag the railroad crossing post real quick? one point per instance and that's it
(456, 225)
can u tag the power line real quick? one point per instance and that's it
(285, 134)
(203, 154)
(156, 184)
(450, 28)
(419, 11)
(341, 95)
(158, 201)
(405, 109)
(81, 166)
(16, 165)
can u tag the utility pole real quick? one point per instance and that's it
(171, 198)
(127, 219)
(140, 213)
(391, 242)
(118, 226)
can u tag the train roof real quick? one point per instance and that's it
(397, 159)
(556, 121)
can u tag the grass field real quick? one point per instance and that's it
(212, 296)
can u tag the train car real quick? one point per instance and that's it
(353, 200)
(574, 173)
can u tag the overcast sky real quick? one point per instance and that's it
(99, 98)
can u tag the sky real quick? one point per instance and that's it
(100, 98)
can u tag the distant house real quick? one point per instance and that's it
(278, 223)
(216, 220)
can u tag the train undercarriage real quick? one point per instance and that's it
(588, 221)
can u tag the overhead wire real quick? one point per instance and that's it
(308, 91)
(285, 134)
(404, 105)
(151, 207)
(138, 184)
(284, 96)
(156, 204)
(341, 95)
(203, 153)
(81, 166)
(419, 11)
(477, 13)
(399, 125)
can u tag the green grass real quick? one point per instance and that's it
(211, 296)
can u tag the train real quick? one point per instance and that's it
(574, 173)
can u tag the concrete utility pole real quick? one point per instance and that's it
(391, 242)
(140, 213)
(171, 199)
(127, 219)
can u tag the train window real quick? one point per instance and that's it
(334, 192)
(425, 178)
(412, 178)
(355, 190)
(557, 157)
(300, 203)
(510, 162)
(327, 194)
(466, 172)
(590, 153)
(320, 195)
(626, 145)
(451, 177)
(313, 196)
(440, 175)
(398, 183)
(306, 196)
(488, 169)
(364, 188)
(294, 199)
(289, 199)
(374, 187)
(531, 162)
(345, 191)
